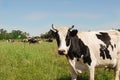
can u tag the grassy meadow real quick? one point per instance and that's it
(23, 61)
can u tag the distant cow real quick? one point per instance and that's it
(49, 40)
(10, 40)
(24, 40)
(33, 40)
(87, 50)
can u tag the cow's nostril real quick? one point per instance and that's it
(61, 52)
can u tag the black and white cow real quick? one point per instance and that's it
(87, 50)
(33, 40)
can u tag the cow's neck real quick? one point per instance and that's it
(78, 49)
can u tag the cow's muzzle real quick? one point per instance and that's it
(61, 52)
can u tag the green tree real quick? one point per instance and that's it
(47, 35)
(14, 34)
(17, 34)
(3, 34)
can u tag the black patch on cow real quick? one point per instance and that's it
(115, 45)
(68, 39)
(33, 40)
(78, 48)
(104, 52)
(69, 35)
(105, 38)
(118, 30)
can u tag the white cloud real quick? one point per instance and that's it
(39, 16)
(112, 24)
(35, 16)
(82, 15)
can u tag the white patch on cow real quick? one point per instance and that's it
(62, 34)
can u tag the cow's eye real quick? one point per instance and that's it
(67, 40)
(56, 35)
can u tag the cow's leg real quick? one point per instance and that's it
(117, 75)
(73, 74)
(73, 68)
(117, 70)
(91, 73)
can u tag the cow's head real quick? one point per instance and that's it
(63, 37)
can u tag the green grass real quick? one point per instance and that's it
(23, 61)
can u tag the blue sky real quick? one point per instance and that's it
(36, 16)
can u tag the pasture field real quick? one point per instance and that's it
(23, 61)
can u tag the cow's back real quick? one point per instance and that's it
(104, 46)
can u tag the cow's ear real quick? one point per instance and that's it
(73, 32)
(52, 32)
